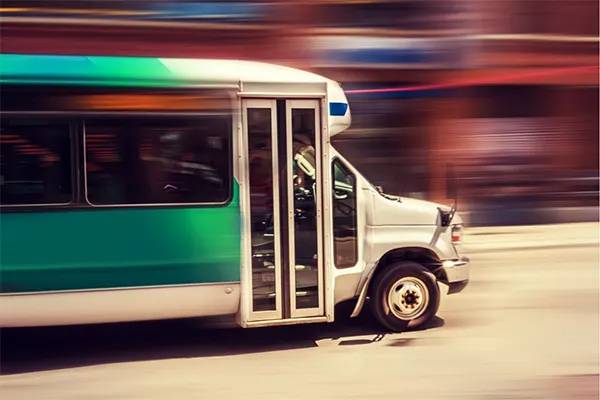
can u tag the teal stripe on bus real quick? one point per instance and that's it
(119, 247)
(107, 71)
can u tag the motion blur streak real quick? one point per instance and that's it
(552, 72)
(504, 91)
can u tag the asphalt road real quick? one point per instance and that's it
(526, 328)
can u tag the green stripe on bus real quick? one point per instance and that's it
(119, 247)
(109, 71)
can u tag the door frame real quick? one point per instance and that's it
(247, 316)
(247, 292)
(293, 104)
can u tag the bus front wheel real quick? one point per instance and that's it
(404, 296)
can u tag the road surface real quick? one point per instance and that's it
(525, 328)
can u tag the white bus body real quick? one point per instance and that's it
(404, 248)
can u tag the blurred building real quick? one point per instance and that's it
(519, 118)
(521, 122)
(214, 29)
(529, 138)
(506, 91)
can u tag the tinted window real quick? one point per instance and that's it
(344, 216)
(35, 162)
(166, 160)
(57, 98)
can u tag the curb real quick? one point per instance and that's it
(478, 240)
(517, 217)
(532, 247)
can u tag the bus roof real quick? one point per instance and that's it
(145, 71)
(249, 77)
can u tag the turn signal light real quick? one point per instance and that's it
(457, 234)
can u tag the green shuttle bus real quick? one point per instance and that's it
(148, 188)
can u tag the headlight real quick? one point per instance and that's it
(457, 231)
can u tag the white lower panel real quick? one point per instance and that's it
(105, 306)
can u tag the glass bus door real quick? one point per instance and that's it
(282, 275)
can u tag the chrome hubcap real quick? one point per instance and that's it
(408, 298)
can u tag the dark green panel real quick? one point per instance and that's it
(119, 247)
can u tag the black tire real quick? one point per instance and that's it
(383, 284)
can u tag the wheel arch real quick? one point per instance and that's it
(422, 255)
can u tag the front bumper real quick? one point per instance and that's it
(456, 274)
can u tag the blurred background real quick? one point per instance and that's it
(505, 91)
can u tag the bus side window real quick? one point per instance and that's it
(345, 245)
(35, 160)
(143, 160)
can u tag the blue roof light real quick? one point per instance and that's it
(338, 109)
